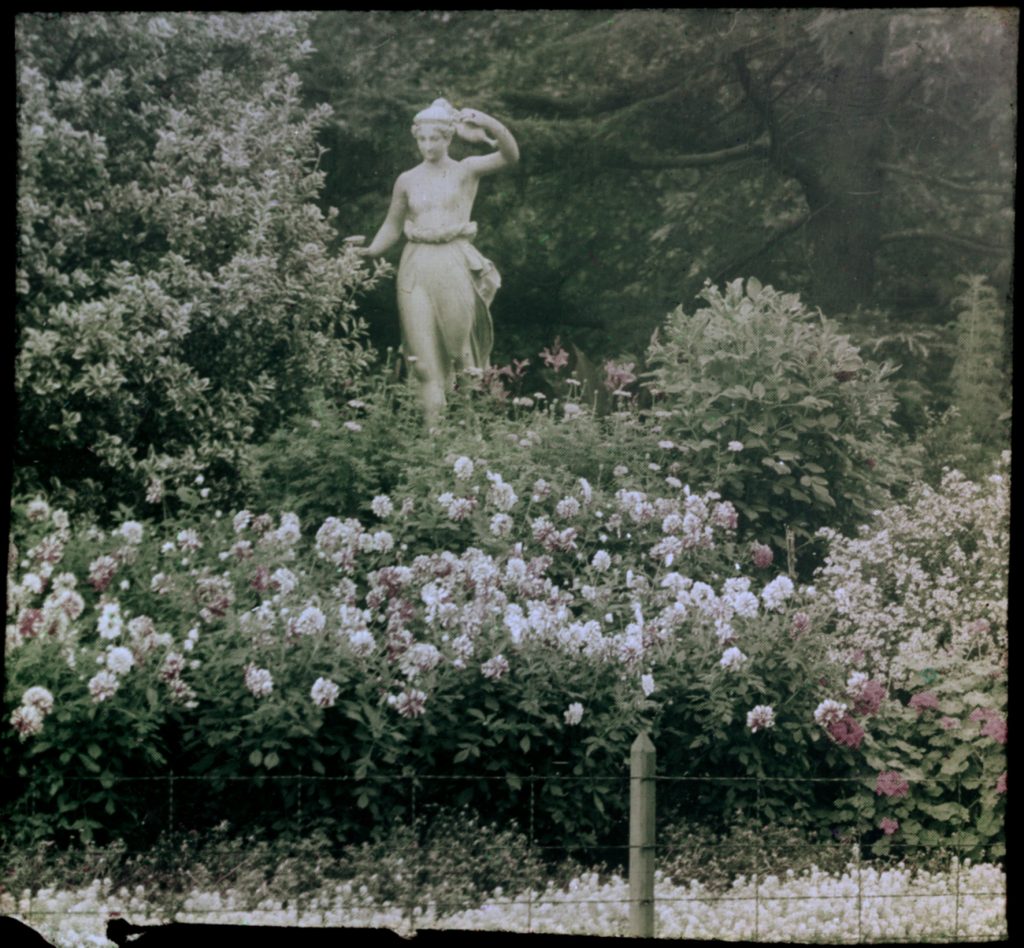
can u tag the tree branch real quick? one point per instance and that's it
(942, 182)
(919, 233)
(756, 149)
(778, 236)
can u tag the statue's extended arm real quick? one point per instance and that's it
(391, 230)
(474, 126)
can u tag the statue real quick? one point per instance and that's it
(445, 285)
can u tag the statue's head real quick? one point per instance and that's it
(439, 116)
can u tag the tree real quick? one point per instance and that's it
(861, 157)
(176, 294)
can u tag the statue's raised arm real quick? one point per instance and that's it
(445, 285)
(473, 126)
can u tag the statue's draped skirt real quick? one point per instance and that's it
(443, 278)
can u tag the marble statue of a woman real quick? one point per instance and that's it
(445, 285)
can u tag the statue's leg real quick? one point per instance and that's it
(424, 350)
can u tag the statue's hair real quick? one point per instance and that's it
(440, 113)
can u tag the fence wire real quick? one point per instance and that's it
(600, 909)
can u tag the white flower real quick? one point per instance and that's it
(673, 482)
(571, 410)
(500, 495)
(586, 490)
(283, 580)
(666, 445)
(829, 712)
(463, 468)
(777, 592)
(110, 624)
(501, 525)
(382, 506)
(601, 561)
(27, 721)
(567, 508)
(421, 657)
(735, 445)
(574, 713)
(495, 667)
(37, 510)
(760, 718)
(32, 583)
(620, 470)
(241, 520)
(353, 426)
(120, 659)
(38, 697)
(259, 681)
(324, 693)
(647, 684)
(310, 621)
(103, 685)
(189, 540)
(732, 658)
(361, 642)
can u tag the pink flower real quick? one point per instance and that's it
(101, 572)
(995, 727)
(260, 579)
(558, 359)
(761, 555)
(617, 376)
(890, 783)
(924, 701)
(801, 624)
(1001, 783)
(869, 698)
(846, 731)
(889, 826)
(947, 723)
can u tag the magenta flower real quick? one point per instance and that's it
(846, 731)
(761, 555)
(924, 701)
(890, 783)
(995, 727)
(889, 825)
(869, 698)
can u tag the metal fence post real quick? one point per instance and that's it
(641, 837)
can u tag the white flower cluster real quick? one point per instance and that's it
(926, 584)
(36, 704)
(259, 681)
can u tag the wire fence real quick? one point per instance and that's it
(652, 882)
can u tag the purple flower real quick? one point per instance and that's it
(889, 826)
(558, 359)
(869, 698)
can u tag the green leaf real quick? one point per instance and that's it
(271, 760)
(256, 758)
(524, 743)
(95, 751)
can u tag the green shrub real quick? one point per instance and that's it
(176, 295)
(778, 411)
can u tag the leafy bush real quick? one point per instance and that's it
(176, 295)
(777, 410)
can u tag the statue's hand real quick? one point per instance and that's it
(468, 126)
(354, 242)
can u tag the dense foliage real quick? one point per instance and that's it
(775, 407)
(176, 294)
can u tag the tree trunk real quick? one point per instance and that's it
(839, 170)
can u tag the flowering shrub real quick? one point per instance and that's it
(940, 765)
(254, 644)
(925, 585)
(776, 409)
